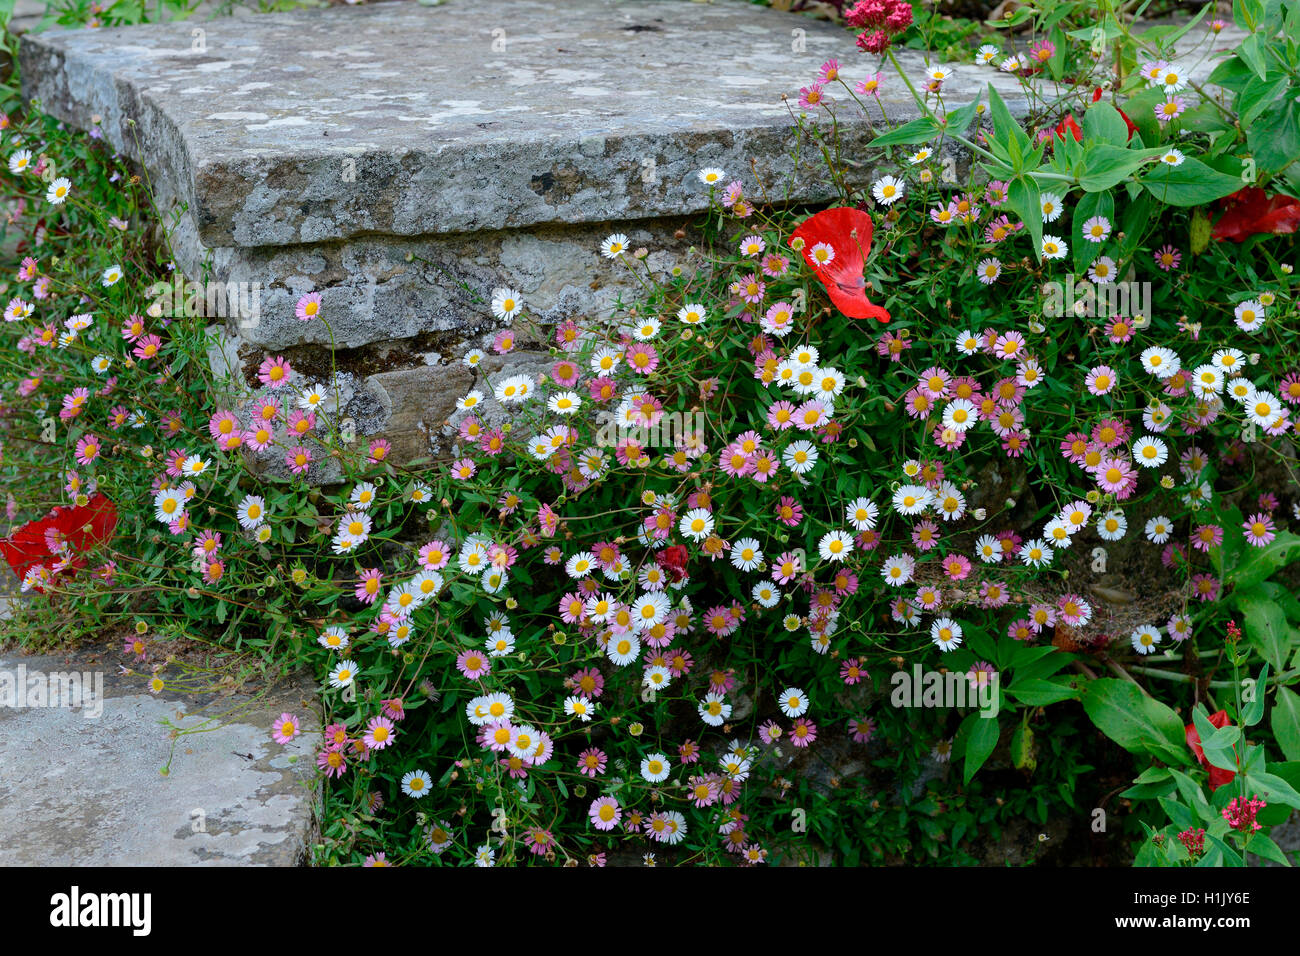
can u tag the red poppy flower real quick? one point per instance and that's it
(1218, 776)
(1249, 212)
(848, 232)
(1071, 126)
(673, 560)
(83, 527)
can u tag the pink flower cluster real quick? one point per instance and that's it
(880, 20)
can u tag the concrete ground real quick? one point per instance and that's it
(81, 780)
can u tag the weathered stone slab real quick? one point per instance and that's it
(80, 785)
(408, 120)
(403, 161)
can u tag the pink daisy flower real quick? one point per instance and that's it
(1101, 380)
(285, 729)
(1074, 610)
(605, 813)
(473, 664)
(1207, 536)
(308, 307)
(956, 567)
(1020, 630)
(565, 373)
(774, 265)
(379, 449)
(862, 729)
(147, 347)
(642, 358)
(803, 732)
(1205, 587)
(275, 372)
(298, 459)
(333, 760)
(591, 762)
(379, 733)
(1259, 529)
(368, 585)
(434, 555)
(852, 671)
(539, 841)
(89, 448)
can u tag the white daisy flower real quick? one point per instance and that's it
(1145, 639)
(416, 784)
(793, 702)
(946, 634)
(614, 246)
(746, 555)
(1112, 526)
(862, 513)
(251, 512)
(887, 190)
(1150, 452)
(506, 304)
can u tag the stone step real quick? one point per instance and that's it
(80, 781)
(404, 160)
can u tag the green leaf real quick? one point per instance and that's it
(1103, 124)
(981, 739)
(1090, 204)
(1190, 183)
(1252, 52)
(1266, 628)
(1232, 74)
(1273, 788)
(1026, 202)
(917, 131)
(1138, 723)
(1038, 693)
(1286, 721)
(1107, 166)
(958, 120)
(1193, 796)
(1274, 138)
(1257, 96)
(1182, 817)
(1217, 748)
(1260, 563)
(1005, 126)
(1266, 848)
(1230, 856)
(1022, 747)
(1253, 712)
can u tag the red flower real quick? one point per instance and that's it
(1249, 212)
(848, 232)
(673, 560)
(1070, 125)
(83, 527)
(1218, 776)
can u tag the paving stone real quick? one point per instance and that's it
(80, 784)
